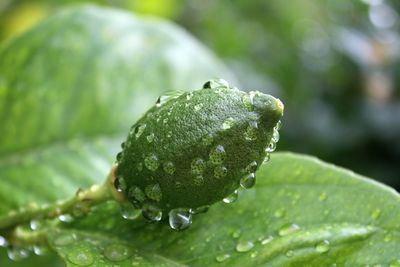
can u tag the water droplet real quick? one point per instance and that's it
(207, 140)
(120, 184)
(279, 213)
(216, 83)
(289, 253)
(119, 156)
(153, 192)
(35, 225)
(151, 212)
(254, 254)
(267, 158)
(150, 137)
(66, 218)
(395, 263)
(222, 257)
(180, 219)
(117, 252)
(323, 196)
(64, 239)
(376, 213)
(198, 107)
(3, 242)
(136, 194)
(198, 180)
(248, 181)
(244, 246)
(129, 212)
(139, 129)
(81, 257)
(251, 131)
(248, 102)
(288, 229)
(322, 247)
(197, 166)
(271, 147)
(236, 233)
(217, 155)
(278, 125)
(40, 251)
(228, 123)
(266, 240)
(220, 171)
(17, 254)
(198, 210)
(231, 198)
(252, 167)
(151, 162)
(161, 100)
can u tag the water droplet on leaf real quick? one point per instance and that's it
(129, 212)
(216, 83)
(248, 181)
(151, 212)
(288, 229)
(151, 162)
(232, 197)
(266, 240)
(322, 247)
(169, 167)
(222, 257)
(150, 137)
(117, 252)
(244, 246)
(228, 123)
(80, 257)
(197, 166)
(17, 254)
(180, 219)
(153, 192)
(139, 129)
(136, 194)
(220, 171)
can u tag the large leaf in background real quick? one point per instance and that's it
(71, 87)
(74, 82)
(302, 212)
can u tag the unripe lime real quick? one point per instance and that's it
(196, 148)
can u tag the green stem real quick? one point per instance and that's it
(23, 238)
(83, 199)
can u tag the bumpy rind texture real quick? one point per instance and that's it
(192, 150)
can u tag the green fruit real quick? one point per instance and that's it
(197, 148)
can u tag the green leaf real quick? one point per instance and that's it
(302, 212)
(71, 87)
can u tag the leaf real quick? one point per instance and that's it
(302, 212)
(71, 87)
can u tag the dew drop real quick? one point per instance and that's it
(117, 252)
(3, 242)
(252, 167)
(322, 247)
(207, 140)
(161, 100)
(278, 125)
(139, 129)
(220, 171)
(179, 219)
(64, 239)
(120, 184)
(151, 212)
(267, 158)
(275, 136)
(376, 213)
(288, 229)
(198, 180)
(136, 194)
(81, 257)
(198, 210)
(197, 166)
(289, 253)
(129, 212)
(232, 197)
(119, 156)
(35, 225)
(153, 192)
(271, 147)
(228, 123)
(254, 254)
(222, 257)
(323, 196)
(279, 213)
(244, 246)
(66, 218)
(248, 181)
(150, 137)
(236, 233)
(39, 251)
(17, 254)
(266, 240)
(216, 83)
(217, 155)
(151, 162)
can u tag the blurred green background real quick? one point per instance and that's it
(334, 63)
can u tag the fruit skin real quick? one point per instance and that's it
(202, 133)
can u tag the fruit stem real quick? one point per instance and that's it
(82, 200)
